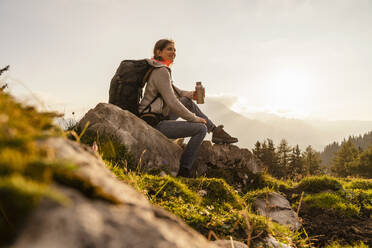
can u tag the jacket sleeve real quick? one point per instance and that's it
(162, 82)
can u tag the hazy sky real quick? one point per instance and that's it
(297, 58)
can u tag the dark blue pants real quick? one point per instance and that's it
(180, 129)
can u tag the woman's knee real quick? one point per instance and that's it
(202, 129)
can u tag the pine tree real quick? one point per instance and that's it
(362, 166)
(296, 169)
(271, 159)
(257, 150)
(312, 161)
(342, 161)
(283, 152)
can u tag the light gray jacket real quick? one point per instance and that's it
(160, 81)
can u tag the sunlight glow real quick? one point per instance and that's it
(290, 90)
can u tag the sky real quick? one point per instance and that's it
(308, 59)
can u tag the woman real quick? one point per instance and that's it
(162, 97)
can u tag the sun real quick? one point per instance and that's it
(290, 89)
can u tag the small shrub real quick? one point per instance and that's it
(217, 192)
(318, 184)
(326, 200)
(251, 196)
(110, 149)
(338, 245)
(160, 189)
(359, 184)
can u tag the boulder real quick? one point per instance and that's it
(235, 165)
(94, 223)
(278, 209)
(92, 169)
(88, 222)
(226, 156)
(148, 145)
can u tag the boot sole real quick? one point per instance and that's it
(221, 141)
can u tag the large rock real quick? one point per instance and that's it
(236, 165)
(226, 156)
(160, 152)
(87, 222)
(92, 169)
(278, 209)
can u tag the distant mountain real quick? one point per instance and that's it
(260, 126)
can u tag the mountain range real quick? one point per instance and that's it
(260, 126)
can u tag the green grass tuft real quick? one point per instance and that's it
(338, 245)
(215, 191)
(317, 184)
(327, 200)
(359, 184)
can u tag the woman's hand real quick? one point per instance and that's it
(201, 120)
(190, 94)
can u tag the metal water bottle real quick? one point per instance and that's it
(200, 93)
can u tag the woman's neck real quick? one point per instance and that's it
(164, 62)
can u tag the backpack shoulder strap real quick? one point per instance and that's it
(149, 105)
(147, 75)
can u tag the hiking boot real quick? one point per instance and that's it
(184, 172)
(219, 136)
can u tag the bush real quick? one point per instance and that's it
(326, 200)
(318, 184)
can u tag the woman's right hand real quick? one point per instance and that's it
(201, 120)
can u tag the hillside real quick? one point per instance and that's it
(39, 184)
(362, 141)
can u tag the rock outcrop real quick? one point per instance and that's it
(86, 222)
(225, 157)
(278, 209)
(155, 150)
(235, 165)
(160, 152)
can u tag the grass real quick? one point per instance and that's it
(326, 200)
(211, 205)
(24, 171)
(207, 205)
(357, 183)
(317, 184)
(27, 171)
(355, 245)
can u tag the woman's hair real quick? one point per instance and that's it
(160, 45)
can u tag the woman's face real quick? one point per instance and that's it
(168, 53)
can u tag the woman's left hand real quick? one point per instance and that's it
(190, 95)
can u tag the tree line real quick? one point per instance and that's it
(287, 162)
(352, 160)
(362, 142)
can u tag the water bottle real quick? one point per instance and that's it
(200, 93)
